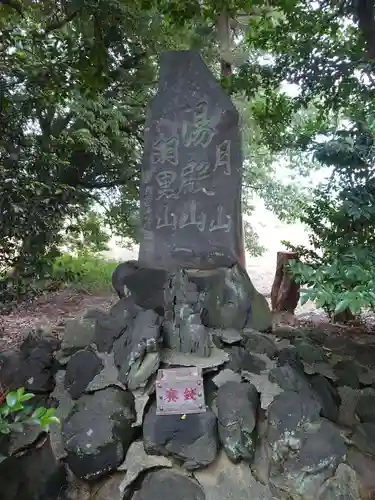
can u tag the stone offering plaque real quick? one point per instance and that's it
(180, 391)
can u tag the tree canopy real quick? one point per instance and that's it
(76, 77)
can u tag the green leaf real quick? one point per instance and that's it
(341, 306)
(11, 399)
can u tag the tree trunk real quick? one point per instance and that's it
(285, 291)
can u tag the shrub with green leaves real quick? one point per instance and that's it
(344, 283)
(15, 413)
(339, 267)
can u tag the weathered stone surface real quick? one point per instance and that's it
(349, 400)
(82, 368)
(289, 379)
(137, 461)
(64, 404)
(223, 480)
(110, 327)
(364, 438)
(191, 172)
(225, 376)
(132, 350)
(78, 334)
(343, 485)
(146, 285)
(35, 475)
(228, 298)
(142, 370)
(289, 356)
(242, 360)
(237, 405)
(32, 367)
(228, 336)
(183, 330)
(305, 449)
(107, 377)
(98, 432)
(328, 396)
(365, 408)
(364, 466)
(309, 352)
(259, 343)
(261, 380)
(167, 484)
(216, 358)
(141, 398)
(347, 373)
(193, 440)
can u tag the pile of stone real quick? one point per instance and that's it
(270, 430)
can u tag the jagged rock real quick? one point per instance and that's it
(259, 343)
(237, 405)
(183, 330)
(109, 327)
(343, 485)
(32, 367)
(142, 370)
(78, 334)
(82, 367)
(364, 466)
(289, 356)
(141, 398)
(228, 298)
(225, 376)
(137, 350)
(98, 432)
(347, 373)
(349, 399)
(34, 475)
(289, 379)
(223, 480)
(268, 390)
(193, 440)
(168, 485)
(227, 336)
(364, 438)
(125, 308)
(328, 395)
(146, 285)
(217, 357)
(137, 461)
(64, 404)
(306, 450)
(365, 408)
(242, 360)
(309, 352)
(107, 377)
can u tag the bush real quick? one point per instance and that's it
(15, 414)
(86, 270)
(344, 283)
(339, 268)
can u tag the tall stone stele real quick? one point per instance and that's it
(191, 233)
(191, 171)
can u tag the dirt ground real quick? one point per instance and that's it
(50, 311)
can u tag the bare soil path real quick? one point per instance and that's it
(48, 312)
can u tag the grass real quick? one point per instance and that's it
(86, 270)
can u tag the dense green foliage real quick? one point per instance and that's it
(75, 80)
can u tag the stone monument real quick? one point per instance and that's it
(191, 238)
(192, 170)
